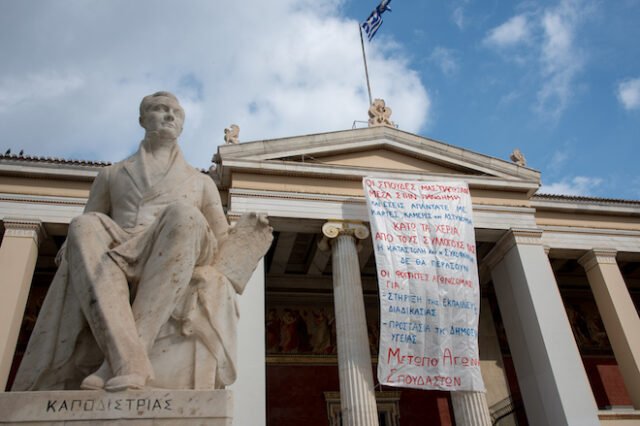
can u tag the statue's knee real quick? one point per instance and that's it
(184, 216)
(82, 224)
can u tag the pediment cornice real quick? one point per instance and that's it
(384, 137)
(302, 155)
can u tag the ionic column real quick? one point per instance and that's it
(470, 408)
(551, 376)
(357, 396)
(618, 313)
(18, 254)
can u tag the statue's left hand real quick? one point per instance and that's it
(262, 219)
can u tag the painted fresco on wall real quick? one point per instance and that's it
(297, 329)
(300, 330)
(585, 321)
(587, 326)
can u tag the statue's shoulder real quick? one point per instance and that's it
(206, 180)
(193, 173)
(204, 177)
(120, 164)
(112, 169)
(208, 187)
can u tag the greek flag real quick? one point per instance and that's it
(373, 22)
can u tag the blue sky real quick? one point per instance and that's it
(557, 79)
(543, 76)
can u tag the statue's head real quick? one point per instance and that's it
(161, 115)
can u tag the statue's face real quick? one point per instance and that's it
(163, 116)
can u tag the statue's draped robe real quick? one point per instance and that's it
(62, 350)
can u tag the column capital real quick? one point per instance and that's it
(596, 257)
(514, 236)
(24, 228)
(333, 228)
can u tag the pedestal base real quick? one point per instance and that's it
(152, 407)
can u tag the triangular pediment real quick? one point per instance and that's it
(387, 159)
(371, 150)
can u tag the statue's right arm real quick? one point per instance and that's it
(214, 212)
(99, 201)
(99, 197)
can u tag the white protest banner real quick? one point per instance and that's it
(424, 245)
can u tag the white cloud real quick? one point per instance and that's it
(558, 159)
(36, 87)
(546, 39)
(446, 59)
(458, 17)
(72, 85)
(629, 93)
(509, 98)
(512, 32)
(579, 185)
(561, 59)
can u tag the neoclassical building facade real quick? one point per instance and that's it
(559, 329)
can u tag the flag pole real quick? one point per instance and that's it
(366, 72)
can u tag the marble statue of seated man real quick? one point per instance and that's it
(148, 277)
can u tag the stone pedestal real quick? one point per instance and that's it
(153, 407)
(357, 396)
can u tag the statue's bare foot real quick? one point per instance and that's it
(96, 380)
(124, 382)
